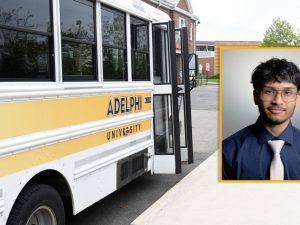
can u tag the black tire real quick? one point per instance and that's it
(37, 200)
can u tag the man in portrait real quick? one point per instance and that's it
(269, 149)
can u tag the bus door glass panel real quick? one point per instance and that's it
(163, 125)
(161, 61)
(180, 88)
(179, 62)
(182, 125)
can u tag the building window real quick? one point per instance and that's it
(78, 40)
(26, 40)
(181, 22)
(201, 48)
(113, 45)
(139, 49)
(191, 32)
(205, 48)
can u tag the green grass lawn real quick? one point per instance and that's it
(209, 80)
(214, 80)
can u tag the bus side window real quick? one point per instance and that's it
(139, 49)
(78, 40)
(114, 44)
(26, 38)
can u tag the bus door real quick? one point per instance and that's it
(184, 86)
(167, 154)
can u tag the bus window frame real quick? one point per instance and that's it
(78, 78)
(135, 50)
(125, 49)
(51, 50)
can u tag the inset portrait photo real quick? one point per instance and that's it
(259, 114)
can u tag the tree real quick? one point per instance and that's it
(281, 34)
(298, 39)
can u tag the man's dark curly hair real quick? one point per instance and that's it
(275, 70)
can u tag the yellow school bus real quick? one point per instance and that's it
(86, 103)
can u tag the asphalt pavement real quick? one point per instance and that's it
(126, 204)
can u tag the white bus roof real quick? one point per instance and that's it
(139, 9)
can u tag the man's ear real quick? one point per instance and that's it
(255, 97)
(298, 99)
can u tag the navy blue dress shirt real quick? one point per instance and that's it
(246, 154)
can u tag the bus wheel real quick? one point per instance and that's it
(38, 204)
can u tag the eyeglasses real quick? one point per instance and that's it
(287, 95)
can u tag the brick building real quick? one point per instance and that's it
(181, 12)
(209, 53)
(205, 51)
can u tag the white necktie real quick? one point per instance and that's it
(276, 169)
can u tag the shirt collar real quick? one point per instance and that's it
(264, 135)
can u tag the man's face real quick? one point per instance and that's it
(276, 102)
